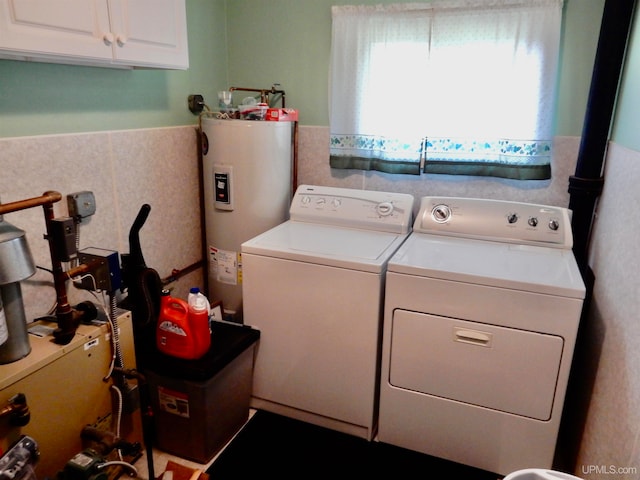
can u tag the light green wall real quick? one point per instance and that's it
(580, 32)
(240, 43)
(41, 98)
(627, 119)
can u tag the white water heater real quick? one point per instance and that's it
(247, 168)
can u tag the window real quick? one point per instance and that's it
(457, 87)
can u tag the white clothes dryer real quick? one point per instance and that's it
(314, 287)
(482, 308)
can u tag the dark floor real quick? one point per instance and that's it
(275, 445)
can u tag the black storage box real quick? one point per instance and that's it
(199, 405)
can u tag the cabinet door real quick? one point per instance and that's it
(150, 33)
(67, 29)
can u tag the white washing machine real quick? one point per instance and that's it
(314, 287)
(482, 308)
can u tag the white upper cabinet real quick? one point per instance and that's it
(150, 32)
(118, 33)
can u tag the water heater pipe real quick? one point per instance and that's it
(46, 198)
(17, 410)
(264, 93)
(68, 319)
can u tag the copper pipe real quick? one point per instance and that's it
(47, 198)
(18, 410)
(177, 273)
(264, 93)
(273, 91)
(82, 268)
(294, 167)
(67, 325)
(68, 320)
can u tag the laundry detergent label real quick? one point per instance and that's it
(171, 327)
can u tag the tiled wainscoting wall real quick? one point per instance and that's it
(124, 170)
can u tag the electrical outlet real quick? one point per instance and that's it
(81, 204)
(196, 103)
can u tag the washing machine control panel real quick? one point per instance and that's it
(498, 220)
(382, 211)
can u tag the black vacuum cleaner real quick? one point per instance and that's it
(143, 286)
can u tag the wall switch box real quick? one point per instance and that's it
(63, 231)
(81, 204)
(104, 271)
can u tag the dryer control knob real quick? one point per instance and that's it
(441, 213)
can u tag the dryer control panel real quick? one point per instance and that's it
(497, 220)
(364, 209)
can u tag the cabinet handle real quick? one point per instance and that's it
(108, 38)
(122, 40)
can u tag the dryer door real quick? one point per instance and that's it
(500, 368)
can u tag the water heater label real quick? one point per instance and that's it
(224, 265)
(223, 187)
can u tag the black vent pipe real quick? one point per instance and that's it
(586, 185)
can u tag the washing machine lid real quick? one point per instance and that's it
(357, 249)
(547, 270)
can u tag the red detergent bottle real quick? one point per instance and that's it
(182, 332)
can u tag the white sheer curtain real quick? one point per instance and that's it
(468, 86)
